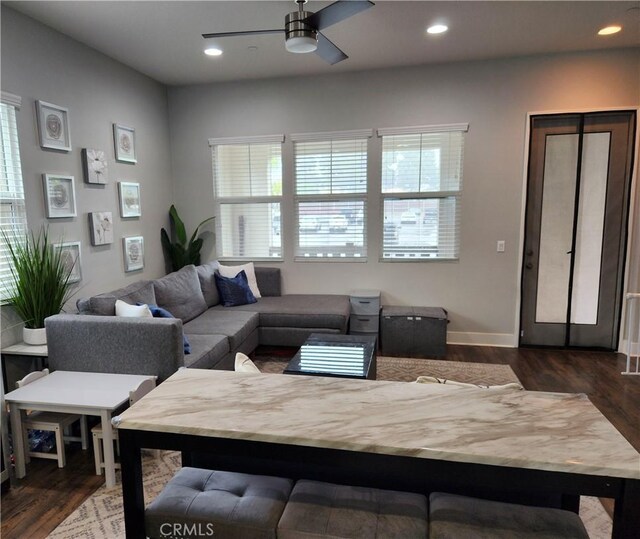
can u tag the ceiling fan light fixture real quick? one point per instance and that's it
(302, 44)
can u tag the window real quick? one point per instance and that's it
(421, 188)
(13, 216)
(331, 190)
(247, 179)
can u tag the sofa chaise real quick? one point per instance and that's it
(95, 340)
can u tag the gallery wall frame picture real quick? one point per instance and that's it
(133, 251)
(124, 140)
(95, 166)
(101, 227)
(59, 196)
(129, 194)
(53, 126)
(70, 254)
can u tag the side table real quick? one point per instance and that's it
(25, 351)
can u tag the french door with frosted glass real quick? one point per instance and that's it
(579, 177)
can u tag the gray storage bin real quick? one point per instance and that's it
(413, 331)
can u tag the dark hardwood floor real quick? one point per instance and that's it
(34, 506)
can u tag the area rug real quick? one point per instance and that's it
(101, 516)
(405, 369)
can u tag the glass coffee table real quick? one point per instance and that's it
(329, 354)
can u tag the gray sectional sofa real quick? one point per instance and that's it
(95, 340)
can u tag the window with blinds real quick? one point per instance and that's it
(421, 189)
(331, 190)
(13, 216)
(247, 179)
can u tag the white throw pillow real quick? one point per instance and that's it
(232, 271)
(132, 311)
(244, 364)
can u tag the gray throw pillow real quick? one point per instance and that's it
(208, 282)
(138, 292)
(180, 294)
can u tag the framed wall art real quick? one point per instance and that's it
(53, 126)
(70, 255)
(124, 140)
(94, 165)
(129, 199)
(59, 196)
(101, 227)
(133, 248)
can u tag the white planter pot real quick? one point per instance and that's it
(36, 337)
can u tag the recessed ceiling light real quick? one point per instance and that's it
(437, 29)
(213, 51)
(608, 30)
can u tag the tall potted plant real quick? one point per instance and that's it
(180, 253)
(39, 284)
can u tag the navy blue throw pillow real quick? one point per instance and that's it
(234, 290)
(159, 312)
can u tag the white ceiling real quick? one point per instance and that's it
(162, 39)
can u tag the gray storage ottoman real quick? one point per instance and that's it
(326, 510)
(413, 331)
(198, 503)
(452, 517)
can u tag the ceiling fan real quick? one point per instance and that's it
(302, 28)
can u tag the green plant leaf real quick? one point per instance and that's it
(178, 225)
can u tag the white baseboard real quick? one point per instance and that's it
(507, 340)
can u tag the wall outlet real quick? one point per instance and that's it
(500, 246)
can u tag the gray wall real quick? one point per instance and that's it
(481, 289)
(40, 63)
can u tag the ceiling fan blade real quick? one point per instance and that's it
(336, 12)
(246, 33)
(328, 51)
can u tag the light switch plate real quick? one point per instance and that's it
(500, 246)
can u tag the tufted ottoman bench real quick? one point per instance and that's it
(453, 517)
(325, 510)
(208, 503)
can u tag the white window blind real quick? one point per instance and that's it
(13, 216)
(421, 189)
(247, 178)
(331, 189)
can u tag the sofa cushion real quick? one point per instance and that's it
(208, 283)
(180, 293)
(268, 280)
(234, 290)
(301, 311)
(105, 304)
(206, 351)
(237, 325)
(159, 312)
(250, 272)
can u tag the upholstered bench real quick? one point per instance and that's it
(317, 510)
(199, 503)
(452, 517)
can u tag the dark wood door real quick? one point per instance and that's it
(579, 178)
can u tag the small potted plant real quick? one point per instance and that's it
(39, 283)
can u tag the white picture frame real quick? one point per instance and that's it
(133, 251)
(71, 258)
(59, 196)
(101, 227)
(53, 126)
(124, 141)
(95, 166)
(129, 194)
